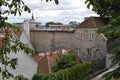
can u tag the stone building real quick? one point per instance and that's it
(84, 39)
(92, 46)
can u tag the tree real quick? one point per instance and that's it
(66, 61)
(20, 77)
(77, 72)
(53, 23)
(110, 9)
(73, 23)
(105, 8)
(12, 7)
(56, 1)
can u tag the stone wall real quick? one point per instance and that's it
(91, 47)
(41, 41)
(88, 44)
(46, 41)
(79, 40)
(88, 38)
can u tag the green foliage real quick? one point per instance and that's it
(56, 1)
(77, 72)
(40, 76)
(51, 23)
(110, 9)
(112, 28)
(11, 44)
(14, 6)
(66, 61)
(105, 8)
(20, 77)
(115, 74)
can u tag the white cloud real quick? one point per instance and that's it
(65, 11)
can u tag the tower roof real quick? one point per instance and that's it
(32, 19)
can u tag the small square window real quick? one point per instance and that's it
(78, 50)
(14, 61)
(89, 50)
(26, 44)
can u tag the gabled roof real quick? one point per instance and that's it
(19, 33)
(2, 36)
(47, 60)
(91, 22)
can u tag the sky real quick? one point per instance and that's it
(64, 12)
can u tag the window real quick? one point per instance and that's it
(89, 50)
(26, 44)
(78, 51)
(14, 61)
(91, 35)
(81, 36)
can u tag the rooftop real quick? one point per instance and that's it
(91, 22)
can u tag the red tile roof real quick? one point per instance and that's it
(1, 43)
(10, 33)
(48, 60)
(19, 33)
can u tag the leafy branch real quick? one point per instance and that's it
(110, 9)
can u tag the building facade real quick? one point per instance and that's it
(24, 63)
(84, 39)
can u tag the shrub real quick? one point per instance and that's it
(77, 72)
(20, 77)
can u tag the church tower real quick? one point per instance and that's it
(32, 19)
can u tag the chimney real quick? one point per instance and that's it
(51, 53)
(85, 18)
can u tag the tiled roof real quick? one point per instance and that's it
(1, 44)
(91, 22)
(10, 33)
(48, 60)
(19, 33)
(36, 57)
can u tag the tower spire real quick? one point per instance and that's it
(32, 16)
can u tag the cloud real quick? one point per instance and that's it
(65, 11)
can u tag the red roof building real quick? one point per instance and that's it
(47, 60)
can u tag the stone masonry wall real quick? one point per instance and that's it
(41, 41)
(88, 44)
(45, 41)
